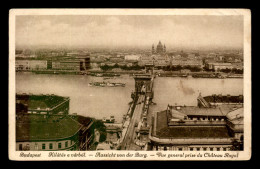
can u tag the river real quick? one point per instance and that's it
(99, 102)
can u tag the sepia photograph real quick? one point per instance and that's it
(129, 84)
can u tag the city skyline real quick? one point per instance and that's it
(195, 32)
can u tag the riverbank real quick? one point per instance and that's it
(100, 73)
(219, 75)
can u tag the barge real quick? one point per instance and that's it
(111, 119)
(106, 84)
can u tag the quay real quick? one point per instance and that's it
(107, 74)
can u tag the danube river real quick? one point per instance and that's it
(99, 102)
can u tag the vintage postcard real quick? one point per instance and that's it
(129, 84)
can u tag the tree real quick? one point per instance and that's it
(167, 68)
(234, 70)
(187, 67)
(116, 66)
(242, 142)
(99, 125)
(178, 67)
(105, 67)
(237, 145)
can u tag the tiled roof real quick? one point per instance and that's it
(194, 132)
(236, 116)
(40, 101)
(224, 99)
(164, 131)
(192, 110)
(36, 127)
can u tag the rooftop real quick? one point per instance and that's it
(162, 130)
(39, 101)
(224, 99)
(236, 116)
(193, 110)
(40, 127)
(221, 64)
(220, 110)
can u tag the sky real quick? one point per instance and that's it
(116, 31)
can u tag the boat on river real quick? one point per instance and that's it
(209, 75)
(105, 74)
(106, 84)
(111, 119)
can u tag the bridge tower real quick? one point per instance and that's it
(149, 68)
(143, 83)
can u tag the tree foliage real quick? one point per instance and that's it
(134, 67)
(234, 70)
(101, 128)
(179, 67)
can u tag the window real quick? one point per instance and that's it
(27, 146)
(211, 149)
(36, 146)
(43, 146)
(59, 145)
(50, 146)
(204, 149)
(191, 149)
(218, 149)
(20, 147)
(198, 149)
(224, 149)
(180, 149)
(66, 144)
(203, 118)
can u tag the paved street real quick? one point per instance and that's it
(130, 135)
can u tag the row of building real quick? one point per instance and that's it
(65, 63)
(80, 61)
(217, 66)
(85, 64)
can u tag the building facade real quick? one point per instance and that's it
(132, 57)
(37, 132)
(218, 66)
(67, 65)
(187, 62)
(27, 65)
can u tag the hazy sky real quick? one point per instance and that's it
(116, 31)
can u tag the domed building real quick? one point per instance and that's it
(160, 49)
